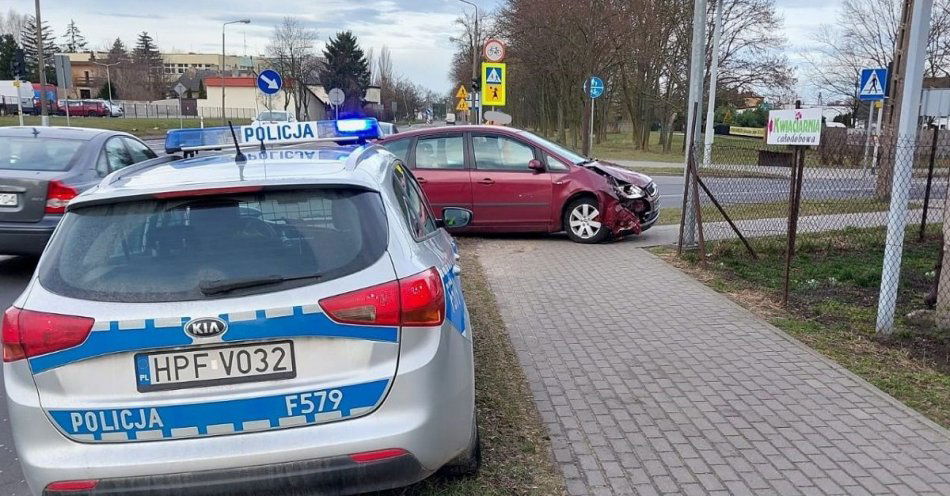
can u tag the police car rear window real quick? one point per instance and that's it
(172, 249)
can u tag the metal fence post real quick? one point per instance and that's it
(930, 177)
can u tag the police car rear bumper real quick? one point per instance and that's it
(427, 412)
(334, 475)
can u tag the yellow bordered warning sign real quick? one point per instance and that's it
(462, 105)
(494, 80)
(461, 93)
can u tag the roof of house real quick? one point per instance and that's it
(231, 81)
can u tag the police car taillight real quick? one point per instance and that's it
(27, 333)
(72, 486)
(57, 196)
(417, 300)
(422, 299)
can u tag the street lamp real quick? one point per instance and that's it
(108, 79)
(474, 57)
(239, 21)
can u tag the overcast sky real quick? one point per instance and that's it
(416, 31)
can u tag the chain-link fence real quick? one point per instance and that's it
(837, 239)
(137, 110)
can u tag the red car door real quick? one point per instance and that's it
(506, 194)
(438, 162)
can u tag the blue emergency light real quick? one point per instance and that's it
(283, 133)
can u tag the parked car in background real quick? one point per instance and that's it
(115, 110)
(388, 129)
(42, 168)
(9, 94)
(274, 117)
(450, 118)
(84, 108)
(516, 181)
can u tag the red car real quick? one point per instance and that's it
(515, 181)
(85, 108)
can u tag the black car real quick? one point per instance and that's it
(42, 168)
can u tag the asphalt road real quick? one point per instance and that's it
(762, 190)
(15, 272)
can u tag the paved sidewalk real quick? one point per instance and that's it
(651, 383)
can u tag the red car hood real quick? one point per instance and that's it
(618, 172)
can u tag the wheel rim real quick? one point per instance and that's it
(582, 221)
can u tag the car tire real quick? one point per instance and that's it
(468, 463)
(582, 222)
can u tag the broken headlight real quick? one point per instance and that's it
(631, 191)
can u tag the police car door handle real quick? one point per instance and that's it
(456, 269)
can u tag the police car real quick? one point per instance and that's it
(242, 323)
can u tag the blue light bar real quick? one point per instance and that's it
(284, 133)
(208, 138)
(367, 128)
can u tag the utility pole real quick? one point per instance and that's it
(696, 65)
(906, 137)
(41, 67)
(893, 106)
(475, 103)
(713, 77)
(224, 118)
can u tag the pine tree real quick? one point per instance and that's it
(148, 61)
(8, 46)
(346, 68)
(202, 92)
(118, 52)
(74, 40)
(31, 53)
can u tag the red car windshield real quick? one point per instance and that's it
(574, 157)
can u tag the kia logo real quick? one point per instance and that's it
(206, 327)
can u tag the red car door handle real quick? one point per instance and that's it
(487, 180)
(422, 180)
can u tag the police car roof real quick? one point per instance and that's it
(362, 166)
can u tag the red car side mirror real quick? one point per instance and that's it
(536, 165)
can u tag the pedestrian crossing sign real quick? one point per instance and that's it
(493, 83)
(873, 84)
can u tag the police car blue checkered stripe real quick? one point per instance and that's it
(289, 322)
(221, 417)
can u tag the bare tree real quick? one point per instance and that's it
(864, 36)
(291, 50)
(13, 23)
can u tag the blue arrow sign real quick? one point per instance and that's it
(269, 81)
(595, 87)
(873, 84)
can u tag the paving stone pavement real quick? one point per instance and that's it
(652, 383)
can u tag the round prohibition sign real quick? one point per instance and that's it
(494, 50)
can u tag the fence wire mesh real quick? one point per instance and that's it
(840, 237)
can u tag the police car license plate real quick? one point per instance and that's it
(216, 365)
(8, 200)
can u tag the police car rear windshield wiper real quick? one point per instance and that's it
(219, 286)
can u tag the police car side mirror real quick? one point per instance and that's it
(455, 218)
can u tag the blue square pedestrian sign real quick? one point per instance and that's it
(873, 84)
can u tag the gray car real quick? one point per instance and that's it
(221, 325)
(42, 168)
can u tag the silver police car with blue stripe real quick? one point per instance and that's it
(242, 323)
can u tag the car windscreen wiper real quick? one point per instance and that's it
(219, 286)
(587, 161)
